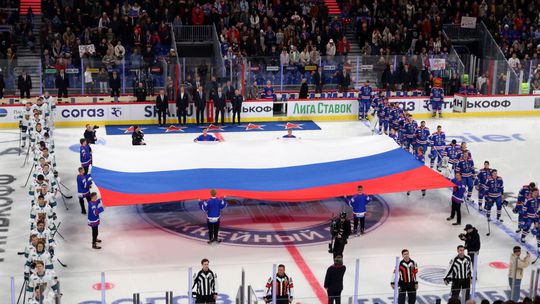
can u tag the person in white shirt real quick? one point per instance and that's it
(88, 81)
(514, 62)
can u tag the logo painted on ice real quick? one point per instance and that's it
(432, 275)
(247, 222)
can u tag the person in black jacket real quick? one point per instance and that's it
(162, 104)
(137, 137)
(62, 84)
(341, 229)
(472, 241)
(24, 83)
(114, 84)
(228, 89)
(182, 102)
(200, 103)
(318, 80)
(333, 280)
(90, 134)
(303, 89)
(140, 92)
(237, 105)
(2, 85)
(219, 105)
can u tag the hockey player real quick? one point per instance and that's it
(438, 144)
(480, 183)
(31, 246)
(407, 283)
(530, 211)
(436, 97)
(37, 134)
(452, 151)
(393, 135)
(358, 203)
(24, 122)
(462, 149)
(465, 166)
(410, 127)
(284, 287)
(38, 182)
(495, 190)
(49, 177)
(523, 194)
(44, 278)
(44, 234)
(40, 254)
(395, 115)
(289, 134)
(45, 297)
(458, 194)
(422, 137)
(364, 101)
(49, 158)
(84, 181)
(383, 112)
(212, 207)
(205, 136)
(95, 208)
(42, 212)
(204, 288)
(49, 196)
(85, 155)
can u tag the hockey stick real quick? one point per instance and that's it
(60, 262)
(489, 228)
(20, 138)
(63, 199)
(467, 206)
(27, 154)
(22, 289)
(28, 178)
(62, 184)
(506, 210)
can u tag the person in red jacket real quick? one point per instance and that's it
(197, 15)
(344, 47)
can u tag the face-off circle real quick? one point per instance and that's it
(247, 222)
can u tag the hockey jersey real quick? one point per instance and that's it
(495, 187)
(436, 95)
(213, 208)
(358, 203)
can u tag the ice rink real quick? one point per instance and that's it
(149, 249)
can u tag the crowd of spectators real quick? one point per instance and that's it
(9, 26)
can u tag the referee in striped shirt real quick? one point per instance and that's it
(459, 273)
(204, 288)
(407, 284)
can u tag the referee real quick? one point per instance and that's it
(459, 273)
(204, 288)
(407, 284)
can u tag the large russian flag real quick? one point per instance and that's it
(277, 170)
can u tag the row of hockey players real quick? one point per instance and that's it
(36, 126)
(401, 127)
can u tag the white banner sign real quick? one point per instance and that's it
(468, 22)
(436, 64)
(321, 107)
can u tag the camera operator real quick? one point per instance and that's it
(90, 134)
(341, 229)
(137, 137)
(472, 241)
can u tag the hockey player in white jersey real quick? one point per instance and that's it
(42, 211)
(50, 197)
(45, 297)
(45, 234)
(46, 279)
(40, 254)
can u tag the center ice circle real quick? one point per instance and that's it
(247, 222)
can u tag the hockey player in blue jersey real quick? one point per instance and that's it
(530, 213)
(465, 166)
(410, 127)
(438, 145)
(213, 207)
(480, 183)
(495, 190)
(452, 151)
(436, 98)
(420, 156)
(205, 136)
(85, 155)
(422, 136)
(393, 135)
(458, 194)
(364, 101)
(84, 181)
(395, 114)
(524, 192)
(358, 203)
(384, 116)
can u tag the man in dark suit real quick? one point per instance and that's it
(140, 92)
(219, 105)
(162, 103)
(228, 89)
(114, 84)
(24, 83)
(200, 104)
(318, 80)
(182, 102)
(237, 105)
(62, 84)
